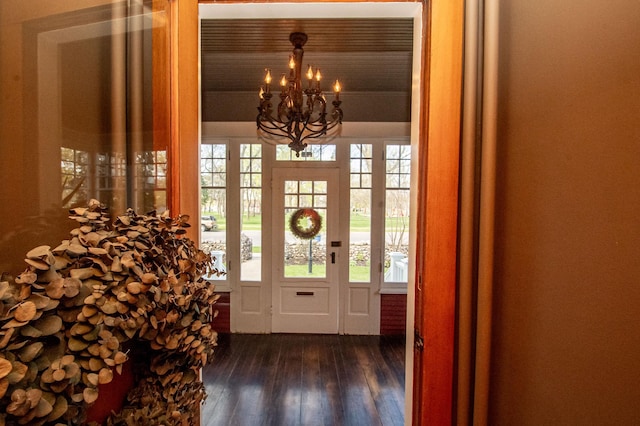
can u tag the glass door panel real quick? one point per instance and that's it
(304, 212)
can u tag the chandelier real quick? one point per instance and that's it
(298, 119)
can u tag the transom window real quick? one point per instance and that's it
(313, 152)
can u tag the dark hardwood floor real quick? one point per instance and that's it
(307, 380)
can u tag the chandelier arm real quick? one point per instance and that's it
(279, 131)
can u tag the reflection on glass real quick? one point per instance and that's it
(93, 129)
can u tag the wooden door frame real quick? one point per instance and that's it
(437, 202)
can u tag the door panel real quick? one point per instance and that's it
(305, 269)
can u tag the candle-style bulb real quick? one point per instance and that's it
(261, 94)
(318, 75)
(292, 62)
(267, 77)
(310, 73)
(283, 81)
(337, 88)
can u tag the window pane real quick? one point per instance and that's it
(213, 203)
(251, 212)
(360, 214)
(398, 181)
(302, 257)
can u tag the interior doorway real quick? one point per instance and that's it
(411, 11)
(439, 30)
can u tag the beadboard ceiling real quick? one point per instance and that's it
(371, 58)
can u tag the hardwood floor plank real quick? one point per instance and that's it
(312, 392)
(220, 399)
(332, 403)
(305, 380)
(253, 381)
(285, 408)
(382, 383)
(355, 391)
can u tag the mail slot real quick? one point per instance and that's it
(304, 293)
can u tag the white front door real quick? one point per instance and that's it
(305, 289)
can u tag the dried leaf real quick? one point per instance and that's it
(25, 311)
(59, 408)
(49, 324)
(18, 372)
(5, 368)
(4, 385)
(30, 352)
(90, 395)
(105, 376)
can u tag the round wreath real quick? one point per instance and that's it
(305, 223)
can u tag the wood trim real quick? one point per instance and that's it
(183, 153)
(438, 213)
(161, 90)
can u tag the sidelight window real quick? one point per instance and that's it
(396, 219)
(361, 168)
(250, 211)
(213, 202)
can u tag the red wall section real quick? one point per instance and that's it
(222, 323)
(393, 314)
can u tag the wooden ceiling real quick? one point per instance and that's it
(370, 57)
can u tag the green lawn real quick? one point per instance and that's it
(252, 223)
(360, 223)
(357, 273)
